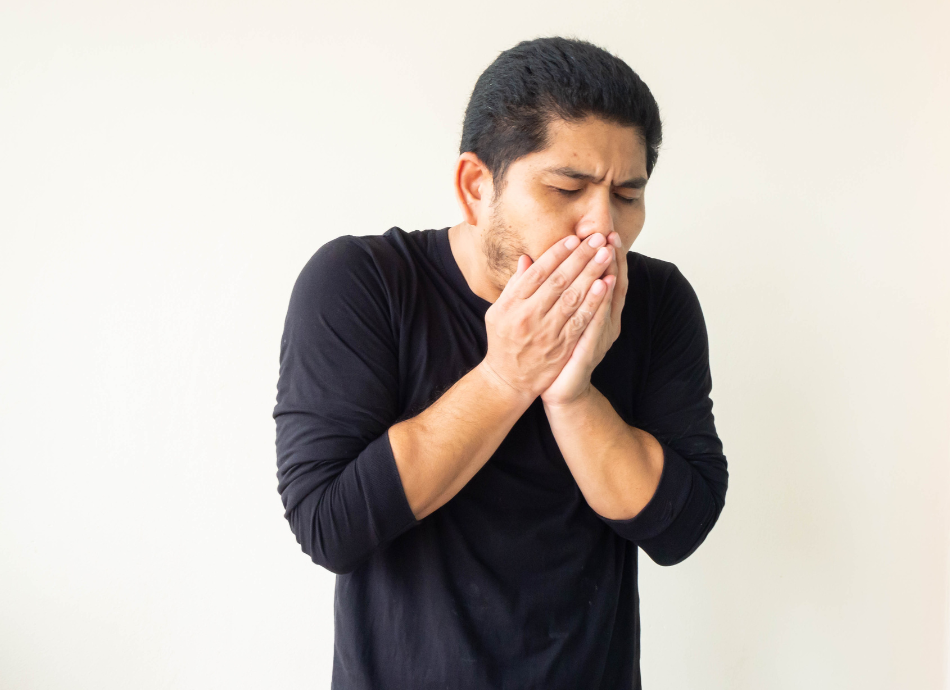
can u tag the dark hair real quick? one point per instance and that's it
(531, 84)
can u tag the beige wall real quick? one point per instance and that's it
(166, 171)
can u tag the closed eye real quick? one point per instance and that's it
(571, 192)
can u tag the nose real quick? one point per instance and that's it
(598, 216)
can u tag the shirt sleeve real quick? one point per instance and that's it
(676, 408)
(337, 396)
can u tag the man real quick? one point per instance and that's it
(477, 426)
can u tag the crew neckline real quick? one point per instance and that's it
(454, 273)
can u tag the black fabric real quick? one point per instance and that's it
(515, 582)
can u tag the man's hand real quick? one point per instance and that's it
(604, 328)
(546, 308)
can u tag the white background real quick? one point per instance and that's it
(167, 169)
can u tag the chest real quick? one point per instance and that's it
(441, 340)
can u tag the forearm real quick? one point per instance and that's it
(439, 450)
(616, 466)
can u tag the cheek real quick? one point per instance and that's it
(630, 233)
(542, 222)
(541, 219)
(525, 209)
(637, 218)
(542, 208)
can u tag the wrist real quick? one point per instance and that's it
(582, 399)
(502, 388)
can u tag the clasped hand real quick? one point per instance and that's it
(557, 317)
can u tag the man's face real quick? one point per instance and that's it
(590, 179)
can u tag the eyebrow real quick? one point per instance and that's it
(635, 183)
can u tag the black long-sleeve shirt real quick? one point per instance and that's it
(515, 582)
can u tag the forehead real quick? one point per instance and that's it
(593, 145)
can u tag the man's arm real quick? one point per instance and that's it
(337, 395)
(616, 466)
(357, 506)
(661, 485)
(439, 450)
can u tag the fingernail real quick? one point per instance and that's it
(603, 254)
(596, 240)
(572, 241)
(597, 287)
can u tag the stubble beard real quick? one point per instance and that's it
(502, 246)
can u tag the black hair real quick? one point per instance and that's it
(531, 84)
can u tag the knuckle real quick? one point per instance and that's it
(558, 280)
(577, 322)
(571, 298)
(521, 329)
(532, 276)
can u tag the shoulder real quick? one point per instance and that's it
(677, 327)
(657, 274)
(349, 256)
(660, 286)
(368, 264)
(669, 307)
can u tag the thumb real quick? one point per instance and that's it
(524, 261)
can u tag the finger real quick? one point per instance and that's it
(605, 309)
(571, 298)
(524, 261)
(577, 323)
(565, 277)
(607, 304)
(603, 313)
(609, 319)
(617, 265)
(612, 266)
(620, 290)
(556, 268)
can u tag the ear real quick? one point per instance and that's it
(473, 188)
